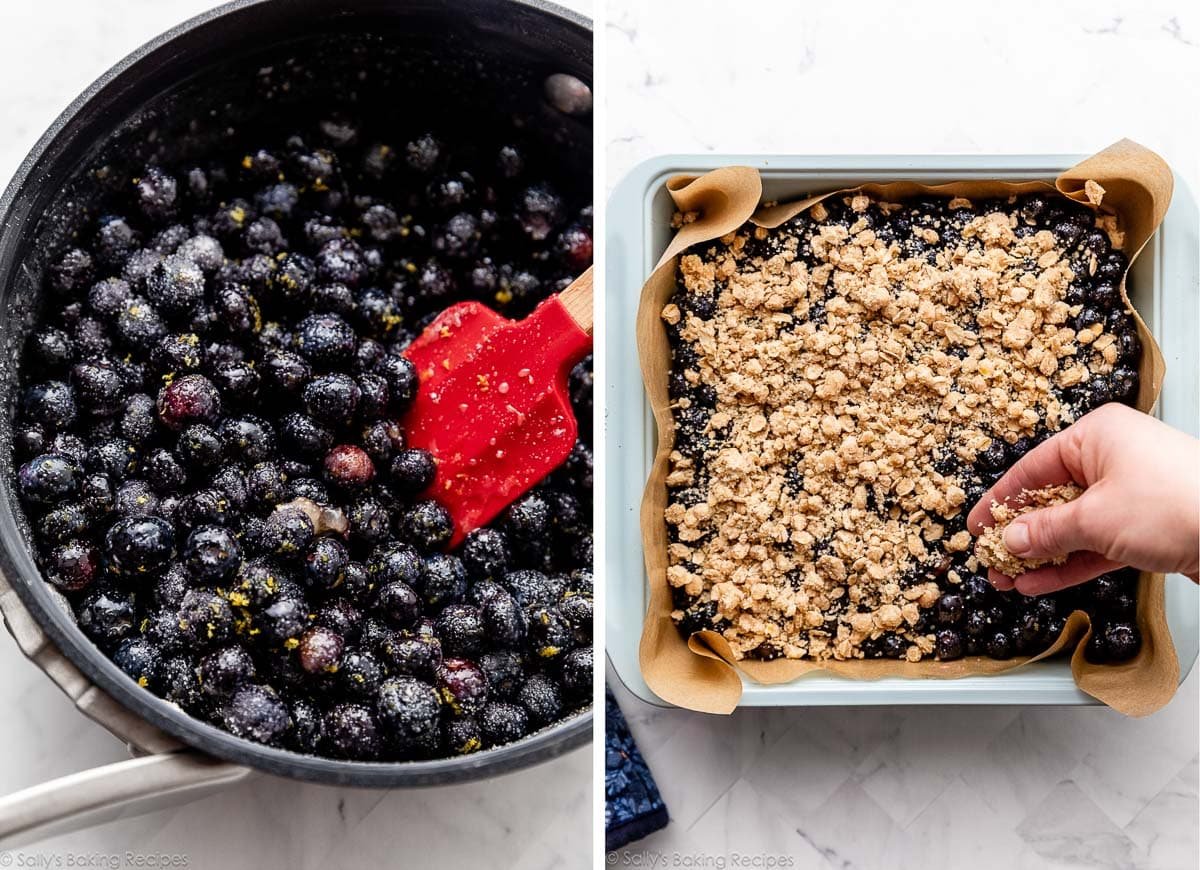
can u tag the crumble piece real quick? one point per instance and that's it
(990, 547)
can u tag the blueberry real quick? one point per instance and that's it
(163, 471)
(976, 623)
(975, 590)
(527, 520)
(409, 710)
(994, 458)
(284, 619)
(350, 731)
(949, 644)
(326, 340)
(576, 674)
(288, 533)
(199, 447)
(225, 669)
(248, 439)
(461, 630)
(397, 601)
(306, 730)
(205, 618)
(51, 404)
(115, 457)
(341, 260)
(50, 349)
(423, 153)
(412, 471)
(548, 635)
(369, 522)
(501, 723)
(304, 437)
(140, 545)
(325, 564)
(458, 237)
(139, 325)
(348, 465)
(106, 614)
(332, 300)
(375, 396)
(320, 650)
(415, 656)
(485, 554)
(533, 588)
(285, 370)
(445, 580)
(462, 736)
(949, 608)
(72, 566)
(401, 376)
(574, 247)
(998, 645)
(235, 308)
(398, 562)
(332, 399)
(539, 212)
(893, 646)
(238, 382)
(135, 498)
(204, 251)
(139, 658)
(264, 236)
(578, 611)
(115, 240)
(505, 674)
(179, 353)
(212, 554)
(1122, 641)
(462, 686)
(257, 713)
(382, 440)
(192, 398)
(175, 285)
(359, 675)
(427, 525)
(48, 479)
(541, 698)
(72, 273)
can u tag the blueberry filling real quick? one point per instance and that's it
(222, 351)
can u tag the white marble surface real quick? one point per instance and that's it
(911, 787)
(49, 51)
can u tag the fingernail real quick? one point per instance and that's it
(1016, 538)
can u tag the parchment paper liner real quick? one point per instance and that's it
(701, 674)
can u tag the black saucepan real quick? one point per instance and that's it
(467, 62)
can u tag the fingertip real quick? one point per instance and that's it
(1001, 581)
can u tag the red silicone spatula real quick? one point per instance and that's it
(492, 405)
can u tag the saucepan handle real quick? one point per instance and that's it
(119, 790)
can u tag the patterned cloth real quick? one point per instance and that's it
(633, 807)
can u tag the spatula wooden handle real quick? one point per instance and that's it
(577, 299)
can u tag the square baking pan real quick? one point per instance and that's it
(1163, 287)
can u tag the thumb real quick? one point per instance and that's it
(1051, 531)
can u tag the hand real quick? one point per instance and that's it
(1140, 506)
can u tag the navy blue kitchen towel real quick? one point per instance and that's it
(633, 807)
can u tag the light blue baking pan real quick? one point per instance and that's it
(1165, 288)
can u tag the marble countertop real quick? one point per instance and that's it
(933, 788)
(540, 817)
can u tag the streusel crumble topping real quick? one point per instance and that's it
(845, 387)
